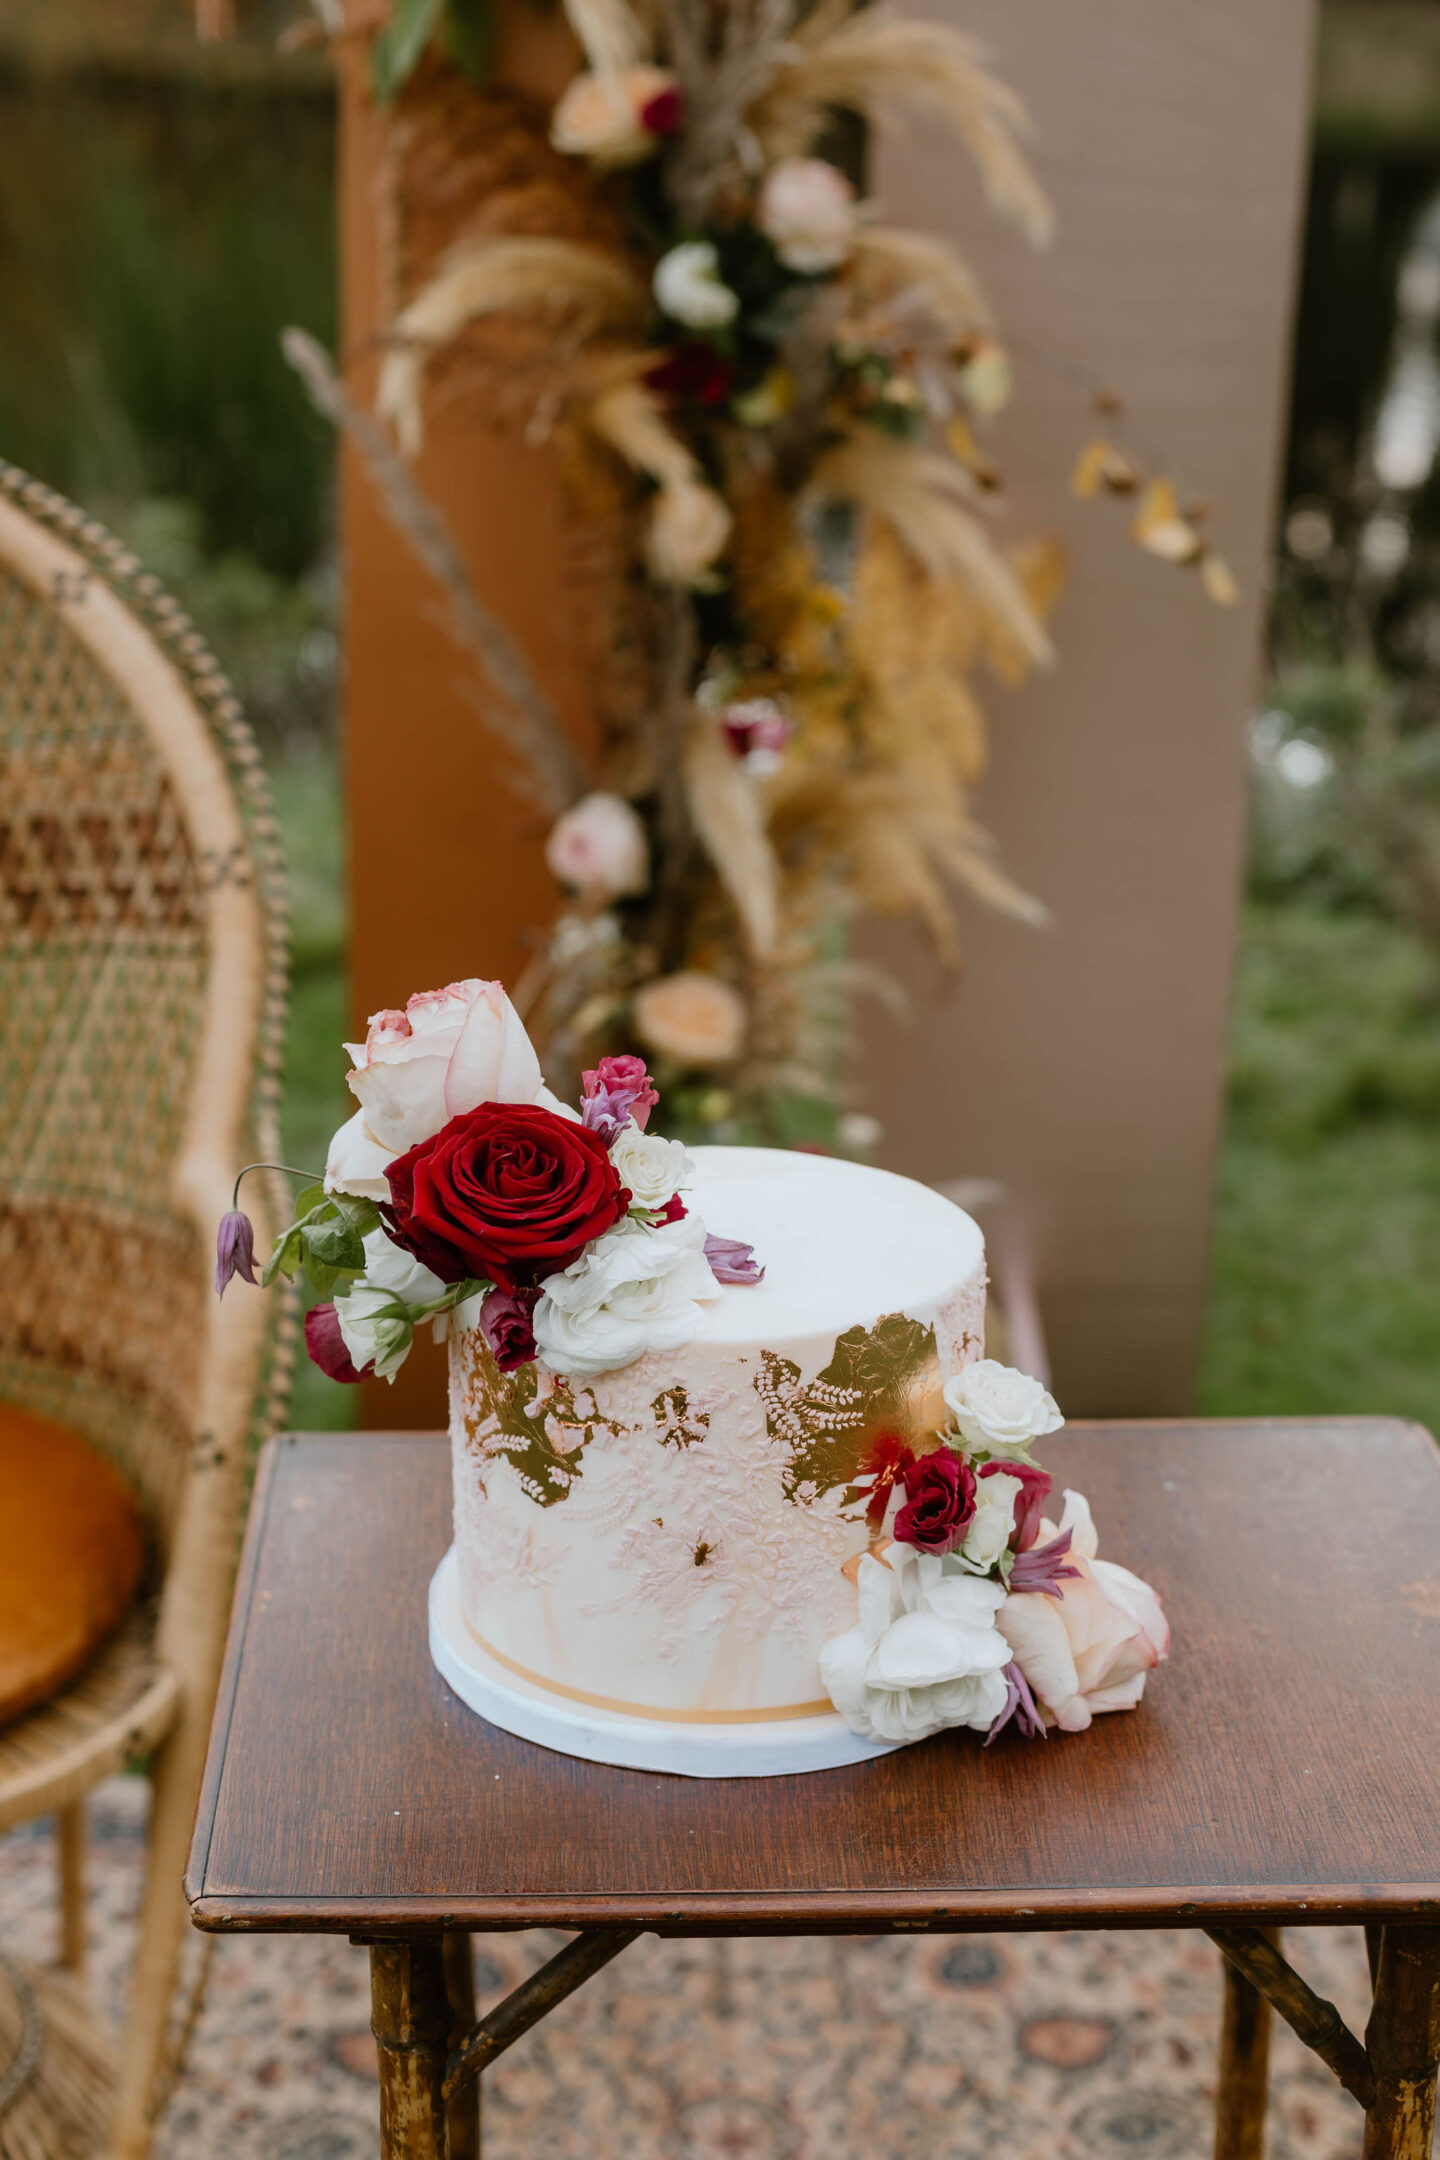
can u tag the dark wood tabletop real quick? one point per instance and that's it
(1284, 1766)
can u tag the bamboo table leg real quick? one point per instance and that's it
(1403, 2042)
(463, 2107)
(1244, 2066)
(410, 2016)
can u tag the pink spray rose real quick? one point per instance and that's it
(1090, 1649)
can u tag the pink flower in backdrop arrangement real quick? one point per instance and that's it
(1089, 1649)
(617, 119)
(939, 1503)
(693, 1018)
(757, 731)
(599, 848)
(507, 1323)
(1035, 1489)
(807, 210)
(449, 1051)
(616, 1091)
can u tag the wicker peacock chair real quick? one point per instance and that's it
(142, 1001)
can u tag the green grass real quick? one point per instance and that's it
(1326, 1261)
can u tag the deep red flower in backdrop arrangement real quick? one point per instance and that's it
(693, 370)
(939, 1502)
(508, 1192)
(1036, 1488)
(662, 114)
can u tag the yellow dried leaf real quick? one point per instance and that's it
(1101, 465)
(1159, 527)
(1218, 579)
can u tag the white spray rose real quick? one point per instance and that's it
(924, 1653)
(807, 208)
(652, 1168)
(599, 848)
(370, 1326)
(992, 1523)
(635, 1289)
(999, 1411)
(690, 289)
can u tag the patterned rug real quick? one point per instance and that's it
(1039, 2047)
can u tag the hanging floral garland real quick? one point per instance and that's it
(773, 413)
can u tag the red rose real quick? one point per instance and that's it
(1036, 1486)
(509, 1191)
(940, 1503)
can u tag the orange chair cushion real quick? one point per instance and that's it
(71, 1549)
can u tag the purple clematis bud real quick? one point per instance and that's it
(731, 1261)
(1020, 1705)
(1043, 1569)
(234, 1250)
(326, 1346)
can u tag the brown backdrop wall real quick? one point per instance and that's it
(1081, 1066)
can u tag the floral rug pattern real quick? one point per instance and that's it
(953, 2047)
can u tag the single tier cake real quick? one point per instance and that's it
(669, 1539)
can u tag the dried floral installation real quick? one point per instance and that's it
(770, 409)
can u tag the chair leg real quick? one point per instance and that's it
(70, 1840)
(1244, 2067)
(1403, 2042)
(463, 2108)
(164, 1924)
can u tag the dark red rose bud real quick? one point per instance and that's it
(508, 1193)
(660, 115)
(1036, 1488)
(692, 370)
(674, 1210)
(234, 1250)
(326, 1346)
(506, 1322)
(939, 1503)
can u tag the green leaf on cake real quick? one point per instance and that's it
(874, 1382)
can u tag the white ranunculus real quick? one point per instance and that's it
(999, 1411)
(448, 1052)
(599, 848)
(690, 289)
(689, 526)
(635, 1289)
(807, 208)
(924, 1653)
(651, 1167)
(992, 1523)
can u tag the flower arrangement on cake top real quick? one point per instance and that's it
(463, 1185)
(975, 1608)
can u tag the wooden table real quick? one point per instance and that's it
(1284, 1769)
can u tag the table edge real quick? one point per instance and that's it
(831, 1912)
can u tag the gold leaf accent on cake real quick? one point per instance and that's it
(543, 1442)
(883, 1378)
(676, 1423)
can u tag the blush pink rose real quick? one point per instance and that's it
(1091, 1649)
(449, 1051)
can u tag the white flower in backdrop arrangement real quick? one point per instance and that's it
(689, 287)
(599, 848)
(616, 119)
(924, 1653)
(999, 1410)
(807, 208)
(634, 1290)
(689, 528)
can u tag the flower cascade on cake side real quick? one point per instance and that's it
(462, 1185)
(975, 1607)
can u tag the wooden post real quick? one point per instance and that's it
(410, 2016)
(463, 2107)
(1244, 2066)
(1403, 2042)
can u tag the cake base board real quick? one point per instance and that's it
(532, 1712)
